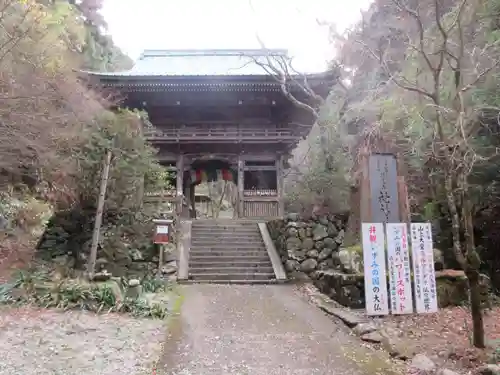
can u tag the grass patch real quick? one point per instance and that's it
(37, 288)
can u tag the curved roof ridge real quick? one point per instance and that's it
(213, 52)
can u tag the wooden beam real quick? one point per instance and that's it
(279, 185)
(179, 183)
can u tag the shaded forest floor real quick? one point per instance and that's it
(446, 337)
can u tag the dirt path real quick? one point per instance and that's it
(261, 330)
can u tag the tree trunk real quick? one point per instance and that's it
(455, 220)
(473, 264)
(476, 310)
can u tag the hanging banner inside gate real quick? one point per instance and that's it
(422, 251)
(375, 271)
(398, 255)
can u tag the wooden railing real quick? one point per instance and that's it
(259, 205)
(260, 193)
(210, 134)
(161, 196)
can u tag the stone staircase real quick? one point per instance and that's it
(228, 251)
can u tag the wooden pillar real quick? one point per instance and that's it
(279, 185)
(192, 200)
(241, 185)
(179, 183)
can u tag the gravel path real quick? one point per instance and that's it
(262, 330)
(47, 342)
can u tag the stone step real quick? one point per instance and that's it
(228, 258)
(209, 233)
(233, 276)
(193, 254)
(196, 263)
(235, 236)
(225, 223)
(249, 282)
(227, 244)
(212, 233)
(231, 270)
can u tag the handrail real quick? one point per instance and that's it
(192, 133)
(260, 193)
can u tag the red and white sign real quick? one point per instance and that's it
(161, 235)
(423, 268)
(376, 296)
(399, 268)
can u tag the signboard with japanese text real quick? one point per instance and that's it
(374, 267)
(383, 175)
(398, 254)
(423, 268)
(161, 234)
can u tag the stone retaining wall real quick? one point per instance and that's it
(311, 249)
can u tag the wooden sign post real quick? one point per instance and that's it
(162, 236)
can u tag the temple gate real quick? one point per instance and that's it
(217, 114)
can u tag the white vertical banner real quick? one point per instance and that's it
(423, 268)
(376, 297)
(398, 255)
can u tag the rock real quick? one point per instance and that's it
(308, 265)
(169, 268)
(324, 254)
(302, 234)
(293, 243)
(350, 261)
(292, 232)
(326, 264)
(297, 255)
(330, 243)
(308, 244)
(102, 276)
(489, 370)
(423, 363)
(134, 282)
(319, 245)
(291, 265)
(438, 260)
(351, 320)
(169, 257)
(340, 237)
(292, 217)
(323, 220)
(312, 253)
(332, 230)
(373, 337)
(445, 371)
(319, 232)
(101, 263)
(134, 291)
(364, 328)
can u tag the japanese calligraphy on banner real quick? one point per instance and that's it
(374, 266)
(398, 254)
(423, 268)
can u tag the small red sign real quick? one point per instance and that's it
(161, 235)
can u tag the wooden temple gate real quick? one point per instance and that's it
(214, 111)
